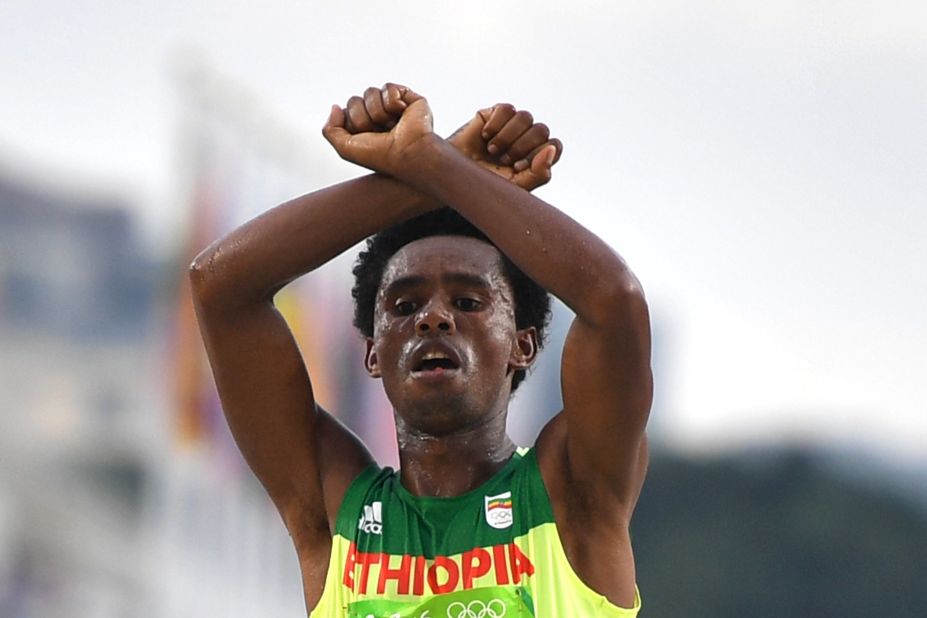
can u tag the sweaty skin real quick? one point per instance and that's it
(452, 300)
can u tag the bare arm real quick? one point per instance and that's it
(606, 360)
(593, 455)
(303, 456)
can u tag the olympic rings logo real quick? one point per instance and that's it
(476, 609)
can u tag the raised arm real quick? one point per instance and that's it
(593, 455)
(598, 441)
(302, 455)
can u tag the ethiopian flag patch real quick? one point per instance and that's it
(499, 510)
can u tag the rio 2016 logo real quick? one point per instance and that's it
(476, 609)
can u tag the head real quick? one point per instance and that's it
(444, 242)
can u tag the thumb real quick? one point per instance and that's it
(542, 162)
(334, 130)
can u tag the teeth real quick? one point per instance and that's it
(434, 355)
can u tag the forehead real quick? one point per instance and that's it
(435, 256)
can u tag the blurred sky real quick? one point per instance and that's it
(762, 166)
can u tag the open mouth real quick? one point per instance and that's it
(434, 363)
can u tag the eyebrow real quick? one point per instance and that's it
(401, 284)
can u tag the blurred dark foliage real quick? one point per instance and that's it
(781, 534)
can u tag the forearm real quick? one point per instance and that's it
(553, 249)
(254, 261)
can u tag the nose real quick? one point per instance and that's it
(434, 320)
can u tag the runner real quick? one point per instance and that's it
(450, 298)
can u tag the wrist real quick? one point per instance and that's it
(422, 157)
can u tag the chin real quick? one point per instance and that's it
(439, 412)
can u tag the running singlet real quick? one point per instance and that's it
(493, 552)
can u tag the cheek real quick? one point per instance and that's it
(390, 344)
(380, 325)
(383, 322)
(500, 332)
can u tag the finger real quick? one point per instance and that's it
(538, 173)
(358, 120)
(499, 115)
(525, 162)
(507, 135)
(542, 162)
(373, 102)
(529, 141)
(392, 99)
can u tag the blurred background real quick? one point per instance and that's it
(760, 165)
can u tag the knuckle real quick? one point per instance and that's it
(525, 116)
(372, 100)
(357, 122)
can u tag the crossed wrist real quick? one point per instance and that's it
(422, 157)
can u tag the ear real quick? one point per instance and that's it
(525, 350)
(370, 360)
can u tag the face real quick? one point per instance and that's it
(445, 341)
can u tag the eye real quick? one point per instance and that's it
(405, 307)
(467, 304)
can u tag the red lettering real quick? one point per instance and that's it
(366, 561)
(500, 564)
(418, 585)
(348, 578)
(443, 574)
(453, 575)
(401, 575)
(520, 563)
(476, 563)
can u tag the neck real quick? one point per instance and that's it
(453, 464)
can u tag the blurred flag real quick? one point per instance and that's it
(235, 172)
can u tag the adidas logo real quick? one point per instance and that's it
(371, 521)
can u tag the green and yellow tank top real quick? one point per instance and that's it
(489, 553)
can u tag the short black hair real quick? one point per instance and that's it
(532, 302)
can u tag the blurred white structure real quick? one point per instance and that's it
(78, 407)
(110, 506)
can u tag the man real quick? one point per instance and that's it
(469, 526)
